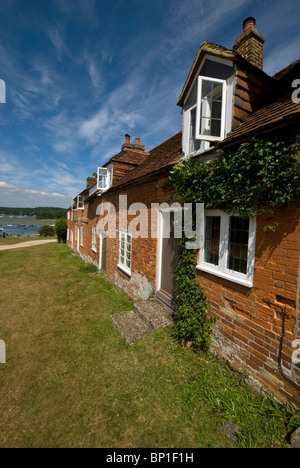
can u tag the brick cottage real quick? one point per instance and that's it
(227, 99)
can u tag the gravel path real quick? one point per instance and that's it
(26, 244)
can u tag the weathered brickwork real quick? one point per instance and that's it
(249, 321)
(142, 282)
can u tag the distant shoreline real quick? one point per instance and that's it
(40, 222)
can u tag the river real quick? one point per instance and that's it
(20, 226)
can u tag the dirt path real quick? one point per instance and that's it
(26, 244)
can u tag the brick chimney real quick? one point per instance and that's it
(250, 43)
(90, 181)
(132, 146)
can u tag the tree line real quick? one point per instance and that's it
(40, 213)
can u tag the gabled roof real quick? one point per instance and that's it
(133, 157)
(279, 110)
(221, 52)
(286, 72)
(160, 158)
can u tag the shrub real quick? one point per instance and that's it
(61, 230)
(47, 231)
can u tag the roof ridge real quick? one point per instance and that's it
(168, 139)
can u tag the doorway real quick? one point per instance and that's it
(102, 252)
(168, 251)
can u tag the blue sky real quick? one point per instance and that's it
(80, 74)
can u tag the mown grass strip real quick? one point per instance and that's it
(71, 381)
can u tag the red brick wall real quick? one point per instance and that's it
(248, 329)
(142, 282)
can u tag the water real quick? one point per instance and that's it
(17, 227)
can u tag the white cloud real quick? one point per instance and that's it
(13, 196)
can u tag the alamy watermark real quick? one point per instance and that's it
(178, 221)
(2, 352)
(296, 93)
(2, 92)
(296, 353)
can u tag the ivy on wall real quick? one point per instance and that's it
(255, 177)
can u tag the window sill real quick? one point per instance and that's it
(124, 269)
(199, 152)
(227, 276)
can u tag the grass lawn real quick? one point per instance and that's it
(71, 381)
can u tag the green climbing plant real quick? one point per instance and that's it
(254, 177)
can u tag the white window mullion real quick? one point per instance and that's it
(251, 248)
(224, 241)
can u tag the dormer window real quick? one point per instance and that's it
(208, 106)
(80, 203)
(104, 178)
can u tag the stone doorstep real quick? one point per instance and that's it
(131, 327)
(138, 324)
(153, 314)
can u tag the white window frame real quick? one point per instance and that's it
(110, 171)
(198, 113)
(102, 236)
(101, 174)
(229, 87)
(81, 236)
(221, 269)
(80, 202)
(122, 264)
(94, 239)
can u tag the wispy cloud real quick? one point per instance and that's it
(56, 37)
(14, 196)
(82, 73)
(82, 9)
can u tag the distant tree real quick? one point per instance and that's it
(40, 213)
(61, 230)
(47, 231)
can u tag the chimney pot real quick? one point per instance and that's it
(249, 22)
(250, 43)
(127, 138)
(137, 141)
